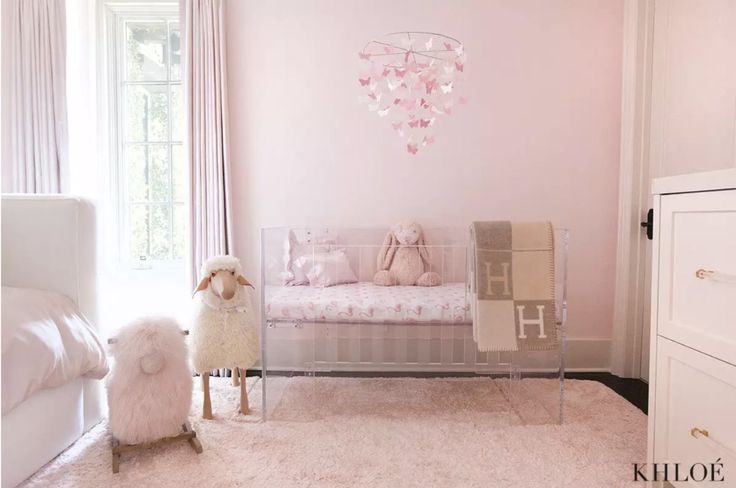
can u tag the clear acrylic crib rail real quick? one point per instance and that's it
(293, 346)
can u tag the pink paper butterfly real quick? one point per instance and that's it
(385, 72)
(448, 46)
(424, 123)
(397, 101)
(399, 72)
(431, 85)
(459, 66)
(428, 140)
(412, 148)
(363, 55)
(413, 123)
(364, 81)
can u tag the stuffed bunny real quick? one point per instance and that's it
(404, 258)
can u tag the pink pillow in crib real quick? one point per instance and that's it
(329, 268)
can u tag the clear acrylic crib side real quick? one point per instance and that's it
(442, 346)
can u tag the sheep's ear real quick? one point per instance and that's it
(202, 285)
(244, 282)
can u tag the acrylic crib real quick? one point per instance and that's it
(367, 330)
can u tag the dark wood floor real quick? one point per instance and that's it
(635, 391)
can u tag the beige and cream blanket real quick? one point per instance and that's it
(512, 286)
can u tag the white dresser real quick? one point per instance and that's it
(692, 398)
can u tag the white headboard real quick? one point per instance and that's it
(48, 242)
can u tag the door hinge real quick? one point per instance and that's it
(649, 224)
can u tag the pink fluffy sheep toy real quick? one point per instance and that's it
(224, 330)
(149, 391)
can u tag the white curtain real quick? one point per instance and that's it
(38, 96)
(205, 85)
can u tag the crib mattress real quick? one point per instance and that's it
(366, 302)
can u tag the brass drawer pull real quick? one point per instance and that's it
(720, 448)
(703, 273)
(709, 274)
(695, 432)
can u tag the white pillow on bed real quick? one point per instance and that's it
(327, 268)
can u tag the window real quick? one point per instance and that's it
(148, 131)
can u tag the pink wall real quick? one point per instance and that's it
(539, 138)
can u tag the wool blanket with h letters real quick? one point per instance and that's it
(512, 286)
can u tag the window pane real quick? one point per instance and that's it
(146, 114)
(138, 232)
(175, 46)
(179, 231)
(136, 163)
(177, 113)
(147, 50)
(178, 173)
(158, 163)
(160, 232)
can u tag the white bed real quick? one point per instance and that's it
(48, 243)
(366, 302)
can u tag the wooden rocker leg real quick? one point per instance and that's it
(115, 456)
(243, 394)
(193, 441)
(188, 434)
(207, 407)
(236, 382)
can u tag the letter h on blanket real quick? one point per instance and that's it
(517, 263)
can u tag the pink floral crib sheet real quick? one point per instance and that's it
(366, 302)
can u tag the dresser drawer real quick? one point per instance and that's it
(697, 231)
(694, 391)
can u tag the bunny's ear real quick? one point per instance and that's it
(423, 250)
(386, 254)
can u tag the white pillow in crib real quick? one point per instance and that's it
(329, 268)
(295, 254)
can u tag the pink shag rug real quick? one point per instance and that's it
(379, 432)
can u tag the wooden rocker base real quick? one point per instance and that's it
(188, 434)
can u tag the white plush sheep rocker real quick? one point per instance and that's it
(404, 258)
(149, 391)
(224, 333)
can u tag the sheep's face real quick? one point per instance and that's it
(223, 283)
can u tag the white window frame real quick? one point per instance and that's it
(113, 16)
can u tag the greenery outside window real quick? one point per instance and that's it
(150, 178)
